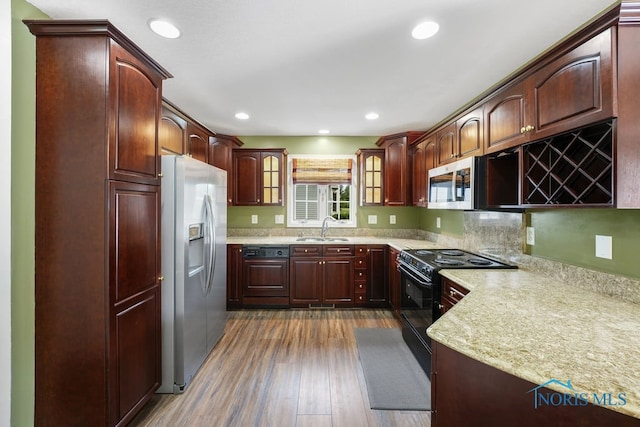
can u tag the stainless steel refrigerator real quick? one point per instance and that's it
(194, 260)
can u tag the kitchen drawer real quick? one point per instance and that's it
(360, 298)
(361, 262)
(361, 250)
(453, 291)
(360, 285)
(305, 250)
(361, 275)
(338, 250)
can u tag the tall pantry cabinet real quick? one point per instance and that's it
(97, 296)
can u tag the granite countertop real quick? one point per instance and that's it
(539, 328)
(397, 243)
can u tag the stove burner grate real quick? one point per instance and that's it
(423, 252)
(445, 261)
(478, 261)
(452, 252)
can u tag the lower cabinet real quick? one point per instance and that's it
(234, 276)
(466, 392)
(393, 279)
(313, 275)
(265, 282)
(452, 293)
(321, 275)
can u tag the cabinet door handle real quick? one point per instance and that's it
(161, 278)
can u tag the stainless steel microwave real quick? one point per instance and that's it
(457, 185)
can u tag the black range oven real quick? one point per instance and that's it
(420, 292)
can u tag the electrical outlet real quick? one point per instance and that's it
(373, 219)
(604, 245)
(254, 219)
(279, 219)
(438, 223)
(392, 219)
(531, 236)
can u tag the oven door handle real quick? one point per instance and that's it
(413, 276)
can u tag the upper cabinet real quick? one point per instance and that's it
(198, 141)
(423, 158)
(221, 149)
(181, 134)
(259, 177)
(397, 187)
(220, 155)
(172, 132)
(574, 90)
(470, 134)
(371, 162)
(507, 118)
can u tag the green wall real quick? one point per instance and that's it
(568, 235)
(451, 222)
(22, 213)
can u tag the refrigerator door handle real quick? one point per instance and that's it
(211, 231)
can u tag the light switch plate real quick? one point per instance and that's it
(392, 219)
(254, 219)
(279, 219)
(604, 247)
(373, 219)
(531, 236)
(438, 222)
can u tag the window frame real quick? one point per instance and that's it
(323, 190)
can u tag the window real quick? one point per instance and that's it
(321, 186)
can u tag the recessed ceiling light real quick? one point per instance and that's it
(425, 30)
(164, 28)
(242, 116)
(372, 116)
(324, 131)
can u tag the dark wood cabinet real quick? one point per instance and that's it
(394, 280)
(446, 141)
(397, 184)
(575, 90)
(508, 117)
(234, 276)
(423, 158)
(377, 285)
(470, 134)
(361, 281)
(322, 274)
(371, 286)
(467, 392)
(259, 177)
(220, 155)
(451, 294)
(198, 141)
(371, 162)
(172, 132)
(97, 292)
(265, 282)
(220, 151)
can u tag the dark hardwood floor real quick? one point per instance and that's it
(282, 368)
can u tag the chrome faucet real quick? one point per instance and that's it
(325, 225)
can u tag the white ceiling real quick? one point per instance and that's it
(297, 66)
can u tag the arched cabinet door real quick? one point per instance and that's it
(136, 103)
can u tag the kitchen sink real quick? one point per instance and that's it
(322, 239)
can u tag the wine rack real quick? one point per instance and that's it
(575, 168)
